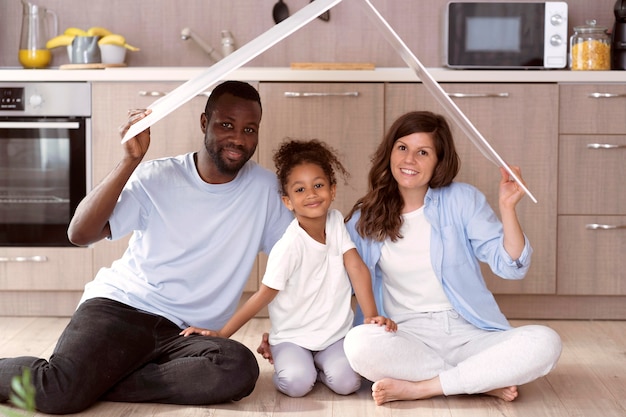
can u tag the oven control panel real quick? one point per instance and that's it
(11, 98)
(45, 99)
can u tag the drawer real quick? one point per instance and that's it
(45, 268)
(591, 261)
(592, 109)
(591, 174)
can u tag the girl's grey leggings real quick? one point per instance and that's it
(296, 369)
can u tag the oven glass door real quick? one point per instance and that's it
(43, 177)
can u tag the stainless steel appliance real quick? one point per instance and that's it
(45, 160)
(528, 35)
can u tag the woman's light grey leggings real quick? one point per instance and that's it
(468, 360)
(296, 369)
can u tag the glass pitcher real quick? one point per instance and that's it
(35, 33)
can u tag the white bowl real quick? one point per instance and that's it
(112, 54)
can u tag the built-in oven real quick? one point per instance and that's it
(45, 160)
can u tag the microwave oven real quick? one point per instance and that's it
(511, 35)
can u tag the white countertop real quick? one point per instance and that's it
(286, 74)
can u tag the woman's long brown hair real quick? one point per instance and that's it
(381, 208)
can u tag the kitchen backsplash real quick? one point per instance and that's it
(155, 26)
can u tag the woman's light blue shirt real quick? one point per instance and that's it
(465, 231)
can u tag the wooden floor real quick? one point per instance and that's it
(589, 381)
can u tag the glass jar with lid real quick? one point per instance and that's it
(590, 48)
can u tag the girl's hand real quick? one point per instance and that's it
(389, 324)
(198, 330)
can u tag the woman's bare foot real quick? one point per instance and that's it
(389, 389)
(506, 394)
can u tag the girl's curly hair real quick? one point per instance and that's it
(294, 152)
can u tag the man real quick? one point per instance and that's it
(198, 221)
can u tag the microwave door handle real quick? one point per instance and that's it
(39, 125)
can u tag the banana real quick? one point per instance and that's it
(61, 40)
(112, 39)
(115, 39)
(131, 47)
(75, 32)
(98, 31)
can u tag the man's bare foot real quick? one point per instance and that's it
(506, 394)
(389, 389)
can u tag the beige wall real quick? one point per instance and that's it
(155, 26)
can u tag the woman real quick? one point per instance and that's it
(422, 236)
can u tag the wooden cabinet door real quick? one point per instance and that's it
(591, 174)
(45, 269)
(592, 109)
(347, 116)
(520, 122)
(177, 133)
(591, 255)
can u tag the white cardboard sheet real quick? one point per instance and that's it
(439, 94)
(218, 71)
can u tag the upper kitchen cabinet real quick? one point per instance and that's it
(347, 116)
(520, 121)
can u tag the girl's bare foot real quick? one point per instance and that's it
(506, 394)
(389, 389)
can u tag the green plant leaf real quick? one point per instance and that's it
(22, 393)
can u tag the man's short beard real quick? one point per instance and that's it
(222, 165)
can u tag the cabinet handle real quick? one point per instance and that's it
(143, 93)
(478, 95)
(595, 226)
(604, 146)
(346, 94)
(36, 258)
(606, 95)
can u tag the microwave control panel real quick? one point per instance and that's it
(555, 40)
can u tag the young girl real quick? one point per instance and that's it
(307, 279)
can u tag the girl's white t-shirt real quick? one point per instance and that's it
(409, 281)
(313, 306)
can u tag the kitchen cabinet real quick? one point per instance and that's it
(347, 116)
(591, 198)
(42, 280)
(175, 134)
(520, 122)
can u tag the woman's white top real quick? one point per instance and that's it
(409, 281)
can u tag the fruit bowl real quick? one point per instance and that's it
(112, 54)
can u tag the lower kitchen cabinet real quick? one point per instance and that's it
(42, 280)
(347, 116)
(591, 255)
(592, 201)
(577, 229)
(520, 122)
